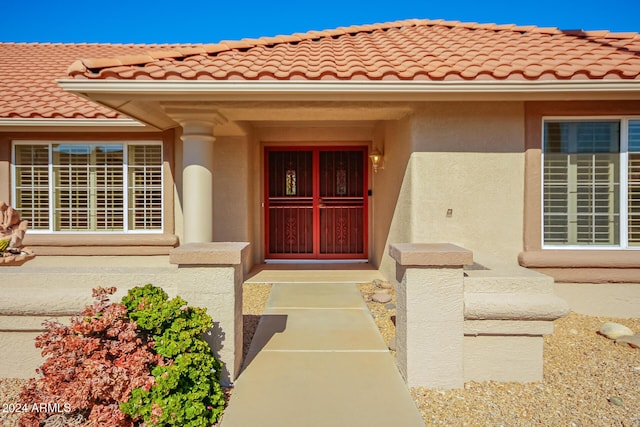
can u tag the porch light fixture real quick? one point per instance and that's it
(377, 160)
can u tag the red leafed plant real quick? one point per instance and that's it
(91, 365)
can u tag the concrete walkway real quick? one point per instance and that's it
(318, 359)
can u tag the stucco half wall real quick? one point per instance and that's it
(207, 275)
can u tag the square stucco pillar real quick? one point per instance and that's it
(211, 276)
(430, 313)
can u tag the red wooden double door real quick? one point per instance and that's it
(316, 203)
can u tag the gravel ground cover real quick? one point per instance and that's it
(254, 299)
(588, 379)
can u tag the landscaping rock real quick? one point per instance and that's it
(630, 340)
(614, 330)
(390, 306)
(385, 284)
(616, 401)
(381, 298)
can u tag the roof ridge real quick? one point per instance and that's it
(83, 64)
(184, 50)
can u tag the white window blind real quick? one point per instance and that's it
(633, 179)
(591, 183)
(145, 187)
(90, 187)
(31, 165)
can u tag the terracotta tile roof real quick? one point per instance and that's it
(403, 50)
(28, 74)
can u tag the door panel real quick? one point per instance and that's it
(341, 202)
(290, 202)
(315, 205)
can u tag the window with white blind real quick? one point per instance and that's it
(89, 186)
(591, 183)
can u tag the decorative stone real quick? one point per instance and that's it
(616, 401)
(385, 284)
(631, 340)
(614, 330)
(381, 298)
(12, 231)
(390, 306)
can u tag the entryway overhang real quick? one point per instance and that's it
(247, 101)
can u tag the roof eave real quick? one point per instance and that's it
(68, 122)
(356, 90)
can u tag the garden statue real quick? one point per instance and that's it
(12, 231)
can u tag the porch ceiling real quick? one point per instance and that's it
(240, 114)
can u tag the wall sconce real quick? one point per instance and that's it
(377, 160)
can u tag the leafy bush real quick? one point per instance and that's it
(119, 364)
(187, 388)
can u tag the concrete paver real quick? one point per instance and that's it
(317, 359)
(315, 295)
(296, 273)
(318, 329)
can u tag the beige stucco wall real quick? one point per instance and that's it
(232, 201)
(390, 190)
(467, 157)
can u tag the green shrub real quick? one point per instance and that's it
(187, 388)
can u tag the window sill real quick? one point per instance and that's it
(101, 244)
(585, 266)
(576, 258)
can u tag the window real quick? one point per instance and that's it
(89, 187)
(591, 183)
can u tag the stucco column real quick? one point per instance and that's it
(198, 120)
(430, 313)
(197, 180)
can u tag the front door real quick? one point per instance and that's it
(316, 204)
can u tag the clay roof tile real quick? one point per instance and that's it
(407, 50)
